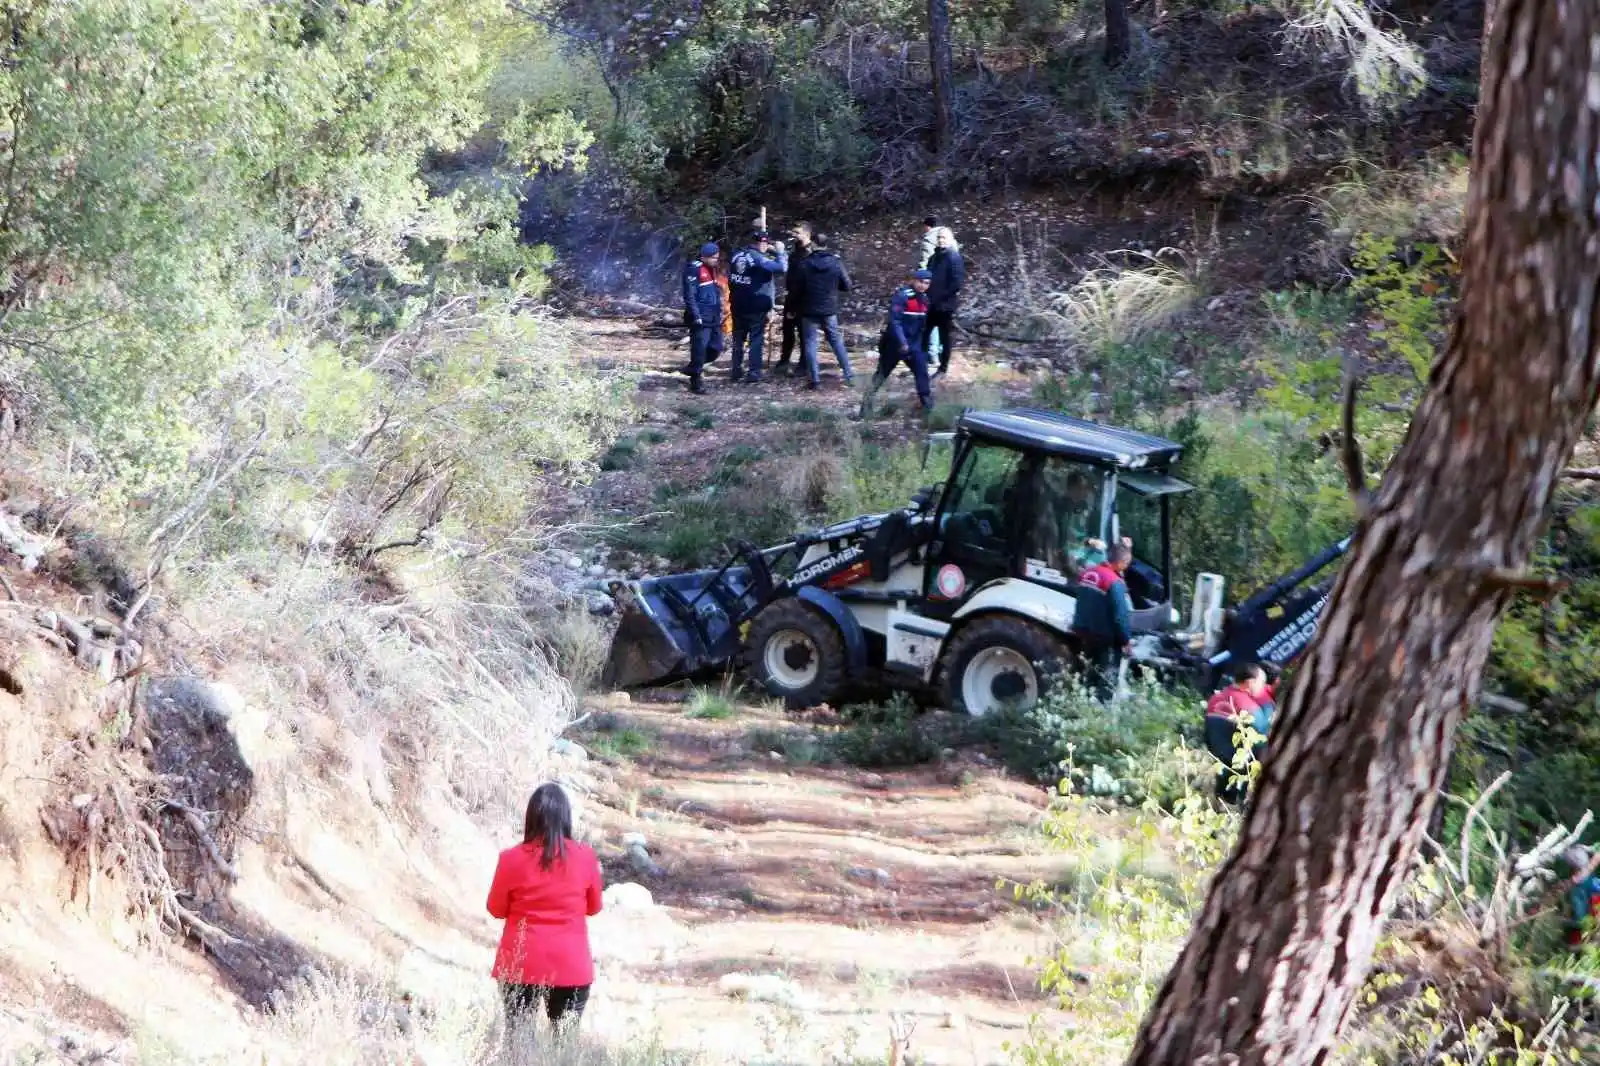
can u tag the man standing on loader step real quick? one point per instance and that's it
(1103, 620)
(902, 341)
(702, 313)
(750, 283)
(794, 282)
(824, 278)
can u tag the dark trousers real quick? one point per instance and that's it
(1101, 662)
(1222, 741)
(791, 337)
(828, 325)
(889, 357)
(524, 1002)
(705, 345)
(751, 328)
(944, 323)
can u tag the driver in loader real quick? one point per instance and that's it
(1064, 519)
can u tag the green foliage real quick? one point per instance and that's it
(695, 530)
(889, 734)
(1120, 922)
(708, 705)
(879, 479)
(1145, 745)
(624, 743)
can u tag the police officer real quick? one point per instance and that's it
(903, 340)
(702, 313)
(794, 298)
(751, 291)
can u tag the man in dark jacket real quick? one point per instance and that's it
(1103, 620)
(823, 279)
(751, 290)
(702, 313)
(949, 275)
(902, 341)
(794, 283)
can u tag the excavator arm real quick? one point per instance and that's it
(1276, 624)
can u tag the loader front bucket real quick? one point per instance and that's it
(642, 650)
(676, 627)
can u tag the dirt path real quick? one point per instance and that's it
(847, 896)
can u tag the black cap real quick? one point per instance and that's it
(930, 221)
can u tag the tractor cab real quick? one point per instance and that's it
(1037, 497)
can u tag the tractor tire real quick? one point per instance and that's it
(796, 653)
(1000, 659)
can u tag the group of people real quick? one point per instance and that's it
(730, 309)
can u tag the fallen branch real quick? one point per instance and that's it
(1585, 473)
(5, 582)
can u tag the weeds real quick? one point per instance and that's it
(707, 705)
(891, 733)
(624, 743)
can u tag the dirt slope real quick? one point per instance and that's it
(849, 896)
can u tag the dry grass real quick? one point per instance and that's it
(1385, 67)
(445, 675)
(348, 1022)
(1115, 305)
(1425, 203)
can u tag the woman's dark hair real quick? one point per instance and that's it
(548, 822)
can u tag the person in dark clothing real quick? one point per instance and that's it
(823, 278)
(751, 290)
(1248, 701)
(1103, 620)
(702, 313)
(794, 283)
(949, 275)
(902, 341)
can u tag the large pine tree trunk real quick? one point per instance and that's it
(1119, 34)
(1287, 933)
(939, 58)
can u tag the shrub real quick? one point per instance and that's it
(890, 733)
(1144, 745)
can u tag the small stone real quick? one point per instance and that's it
(1214, 303)
(634, 840)
(574, 563)
(597, 570)
(869, 875)
(874, 781)
(628, 896)
(955, 1020)
(566, 749)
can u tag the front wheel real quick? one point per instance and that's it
(1001, 661)
(796, 653)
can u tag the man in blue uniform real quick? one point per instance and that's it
(903, 340)
(702, 313)
(751, 291)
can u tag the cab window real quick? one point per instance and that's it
(1067, 512)
(979, 511)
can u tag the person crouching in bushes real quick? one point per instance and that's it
(1246, 702)
(545, 890)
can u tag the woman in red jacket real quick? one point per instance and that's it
(545, 889)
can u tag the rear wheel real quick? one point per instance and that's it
(998, 661)
(796, 653)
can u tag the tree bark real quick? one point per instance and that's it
(1286, 936)
(939, 57)
(1119, 35)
